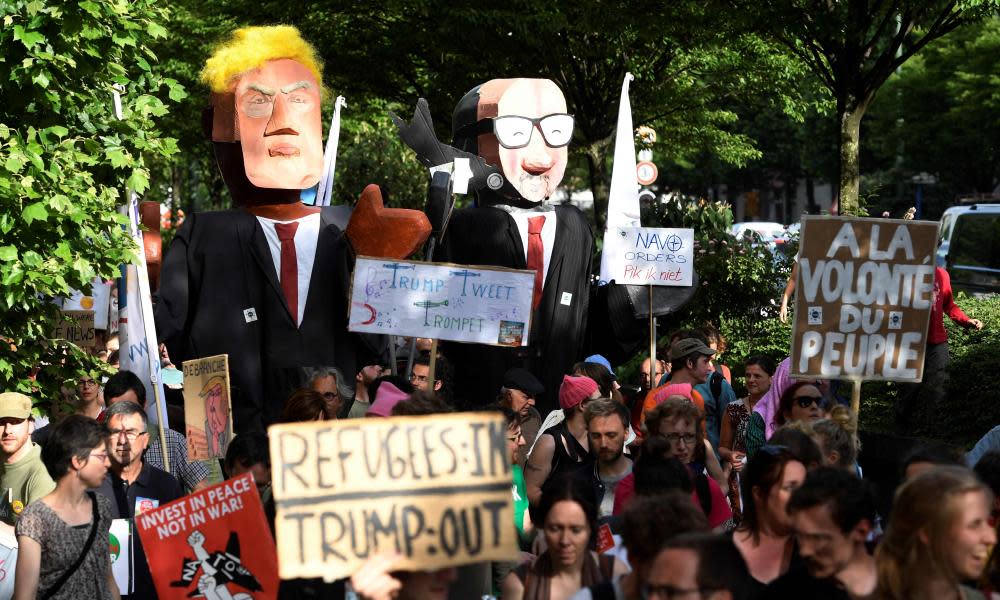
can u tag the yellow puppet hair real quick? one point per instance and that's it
(250, 47)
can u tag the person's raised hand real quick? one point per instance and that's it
(373, 580)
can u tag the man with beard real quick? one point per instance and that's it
(362, 401)
(607, 423)
(133, 486)
(832, 514)
(23, 478)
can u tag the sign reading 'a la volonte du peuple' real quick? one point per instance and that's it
(863, 298)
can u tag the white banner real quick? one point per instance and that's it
(649, 256)
(623, 196)
(120, 546)
(98, 301)
(481, 305)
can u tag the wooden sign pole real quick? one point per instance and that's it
(652, 341)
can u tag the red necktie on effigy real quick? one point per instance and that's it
(289, 267)
(536, 256)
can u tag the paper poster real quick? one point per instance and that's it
(97, 299)
(435, 489)
(77, 326)
(649, 256)
(207, 408)
(213, 544)
(120, 545)
(8, 563)
(481, 305)
(863, 298)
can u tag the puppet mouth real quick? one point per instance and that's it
(283, 150)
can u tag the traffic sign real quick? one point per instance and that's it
(646, 172)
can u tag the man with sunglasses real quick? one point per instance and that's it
(132, 485)
(520, 129)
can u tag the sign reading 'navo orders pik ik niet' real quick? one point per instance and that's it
(649, 256)
(434, 489)
(482, 305)
(863, 298)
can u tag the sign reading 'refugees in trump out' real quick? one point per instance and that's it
(434, 489)
(863, 298)
(481, 305)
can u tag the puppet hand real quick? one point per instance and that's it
(419, 135)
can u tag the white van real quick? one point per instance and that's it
(969, 247)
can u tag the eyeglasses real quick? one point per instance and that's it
(330, 395)
(807, 401)
(131, 434)
(650, 591)
(687, 438)
(514, 131)
(85, 382)
(101, 456)
(420, 378)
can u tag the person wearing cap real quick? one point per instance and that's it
(519, 391)
(563, 448)
(23, 478)
(691, 364)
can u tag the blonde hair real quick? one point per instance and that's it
(250, 47)
(924, 506)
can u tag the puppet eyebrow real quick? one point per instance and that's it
(298, 85)
(261, 88)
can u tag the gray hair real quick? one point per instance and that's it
(344, 388)
(125, 409)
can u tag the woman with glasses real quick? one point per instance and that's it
(88, 397)
(802, 401)
(675, 430)
(764, 537)
(70, 526)
(567, 514)
(939, 536)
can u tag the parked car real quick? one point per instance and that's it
(768, 232)
(969, 247)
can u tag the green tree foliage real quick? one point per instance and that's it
(686, 61)
(65, 162)
(853, 47)
(939, 115)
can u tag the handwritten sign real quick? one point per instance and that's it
(650, 256)
(214, 543)
(863, 298)
(209, 422)
(77, 326)
(434, 489)
(482, 305)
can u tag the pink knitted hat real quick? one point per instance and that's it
(575, 390)
(386, 397)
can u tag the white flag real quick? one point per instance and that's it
(324, 191)
(138, 350)
(623, 200)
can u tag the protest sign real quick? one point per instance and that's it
(863, 298)
(8, 562)
(76, 326)
(434, 489)
(209, 420)
(120, 545)
(648, 256)
(482, 305)
(214, 543)
(98, 300)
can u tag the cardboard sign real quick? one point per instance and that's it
(214, 543)
(80, 332)
(650, 256)
(434, 489)
(120, 546)
(207, 405)
(481, 305)
(863, 298)
(98, 301)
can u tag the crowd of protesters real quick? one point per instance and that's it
(671, 488)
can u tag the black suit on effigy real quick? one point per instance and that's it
(217, 267)
(489, 236)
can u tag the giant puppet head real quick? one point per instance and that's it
(521, 127)
(266, 92)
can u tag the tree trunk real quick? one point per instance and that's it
(600, 184)
(850, 148)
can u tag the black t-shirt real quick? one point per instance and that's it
(798, 583)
